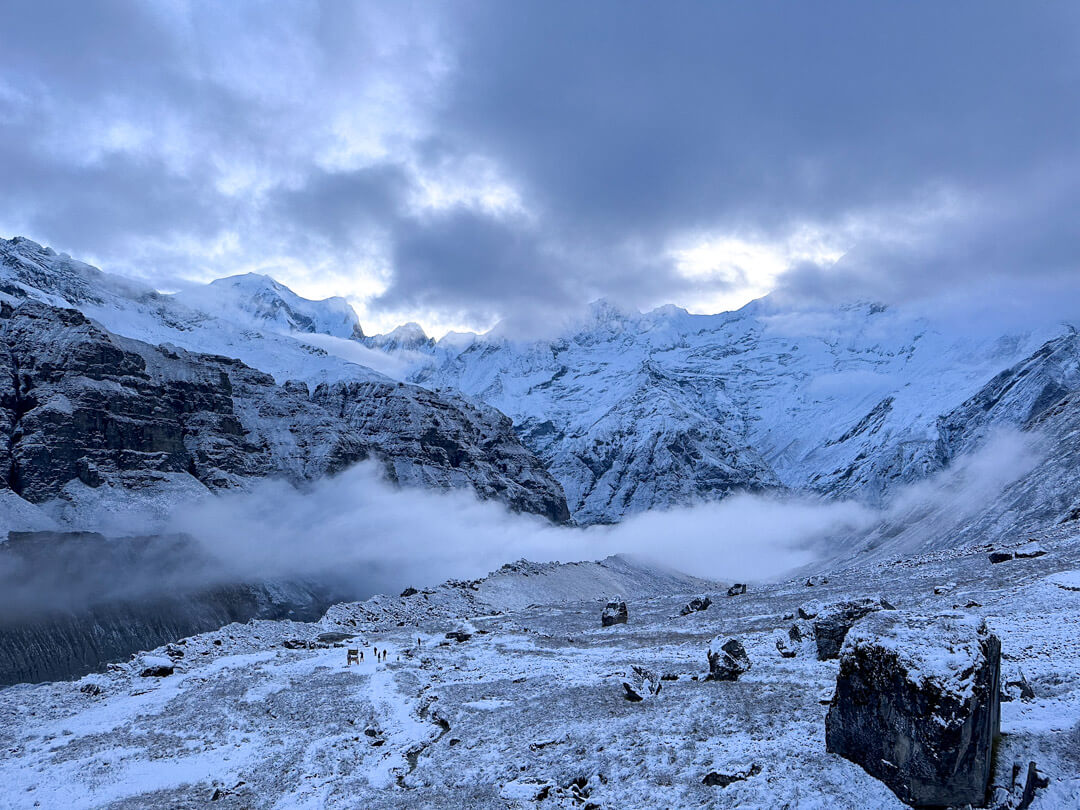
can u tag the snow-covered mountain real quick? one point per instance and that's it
(633, 411)
(119, 397)
(272, 305)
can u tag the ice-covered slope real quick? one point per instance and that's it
(632, 411)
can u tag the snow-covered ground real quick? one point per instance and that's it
(529, 711)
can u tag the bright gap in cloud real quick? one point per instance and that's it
(730, 271)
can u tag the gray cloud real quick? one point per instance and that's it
(198, 139)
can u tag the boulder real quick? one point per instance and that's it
(716, 779)
(615, 612)
(737, 589)
(727, 659)
(1016, 685)
(809, 610)
(698, 603)
(917, 705)
(334, 637)
(784, 645)
(1030, 551)
(1000, 556)
(833, 623)
(156, 666)
(642, 684)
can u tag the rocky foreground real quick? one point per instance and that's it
(530, 701)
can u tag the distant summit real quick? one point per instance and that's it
(273, 305)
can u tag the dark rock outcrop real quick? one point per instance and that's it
(737, 589)
(832, 624)
(917, 706)
(727, 659)
(444, 440)
(615, 612)
(157, 667)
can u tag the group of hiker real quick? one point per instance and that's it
(355, 655)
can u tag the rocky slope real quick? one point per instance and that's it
(529, 709)
(84, 409)
(88, 408)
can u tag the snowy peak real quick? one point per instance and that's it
(408, 337)
(30, 270)
(637, 411)
(273, 305)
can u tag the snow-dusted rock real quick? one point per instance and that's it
(718, 779)
(727, 659)
(614, 612)
(1030, 551)
(832, 624)
(696, 605)
(642, 684)
(156, 666)
(917, 705)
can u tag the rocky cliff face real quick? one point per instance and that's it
(81, 406)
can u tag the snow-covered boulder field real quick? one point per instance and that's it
(531, 711)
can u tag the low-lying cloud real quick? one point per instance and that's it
(362, 535)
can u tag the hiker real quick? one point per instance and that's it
(418, 643)
(352, 658)
(361, 655)
(376, 653)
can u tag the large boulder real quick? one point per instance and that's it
(695, 605)
(832, 624)
(615, 612)
(917, 705)
(727, 659)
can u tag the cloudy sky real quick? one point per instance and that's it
(458, 163)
